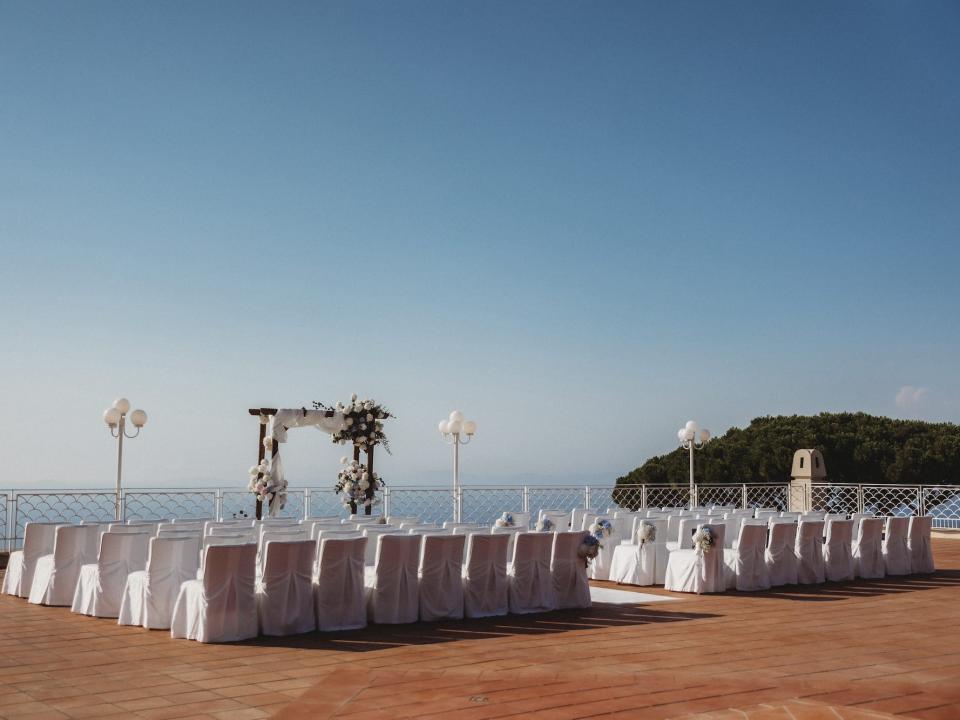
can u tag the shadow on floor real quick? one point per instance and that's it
(831, 591)
(382, 637)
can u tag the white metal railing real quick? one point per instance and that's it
(472, 504)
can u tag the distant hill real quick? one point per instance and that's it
(857, 448)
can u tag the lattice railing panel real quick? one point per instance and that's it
(659, 496)
(768, 496)
(6, 532)
(430, 505)
(485, 505)
(891, 500)
(239, 504)
(72, 507)
(943, 503)
(726, 495)
(324, 502)
(835, 498)
(619, 497)
(554, 498)
(182, 505)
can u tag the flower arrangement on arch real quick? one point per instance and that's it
(362, 422)
(703, 539)
(545, 524)
(601, 528)
(589, 548)
(353, 482)
(505, 520)
(263, 485)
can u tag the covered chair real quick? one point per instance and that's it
(570, 585)
(809, 550)
(918, 543)
(896, 553)
(150, 594)
(747, 563)
(528, 576)
(644, 561)
(285, 590)
(99, 590)
(600, 566)
(55, 575)
(698, 570)
(485, 576)
(38, 539)
(222, 605)
(780, 555)
(441, 577)
(838, 551)
(373, 531)
(559, 518)
(391, 584)
(338, 583)
(867, 548)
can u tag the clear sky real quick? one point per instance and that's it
(580, 223)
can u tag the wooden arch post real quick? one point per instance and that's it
(261, 449)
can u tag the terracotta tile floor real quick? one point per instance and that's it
(858, 650)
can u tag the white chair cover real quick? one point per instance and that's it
(391, 584)
(838, 551)
(781, 555)
(576, 518)
(280, 534)
(559, 518)
(623, 524)
(150, 594)
(55, 575)
(636, 563)
(809, 550)
(698, 572)
(338, 588)
(38, 539)
(520, 520)
(323, 534)
(236, 524)
(441, 577)
(570, 586)
(918, 542)
(316, 527)
(485, 575)
(100, 585)
(600, 565)
(766, 513)
(857, 517)
(194, 532)
(137, 529)
(372, 533)
(251, 534)
(450, 525)
(528, 576)
(684, 527)
(399, 519)
(791, 516)
(474, 531)
(222, 606)
(285, 591)
(748, 563)
(366, 519)
(868, 548)
(896, 552)
(512, 532)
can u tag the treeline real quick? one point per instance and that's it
(857, 448)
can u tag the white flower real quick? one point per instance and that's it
(343, 460)
(349, 421)
(368, 502)
(364, 484)
(348, 487)
(363, 426)
(365, 476)
(368, 405)
(255, 470)
(369, 417)
(353, 397)
(267, 442)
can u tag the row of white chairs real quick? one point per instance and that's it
(775, 552)
(218, 594)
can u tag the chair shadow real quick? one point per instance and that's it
(382, 637)
(837, 591)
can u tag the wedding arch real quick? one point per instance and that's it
(342, 423)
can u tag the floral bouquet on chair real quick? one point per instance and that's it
(601, 528)
(703, 539)
(354, 481)
(545, 525)
(646, 533)
(589, 548)
(505, 520)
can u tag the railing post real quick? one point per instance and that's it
(920, 511)
(526, 499)
(11, 522)
(218, 504)
(693, 498)
(643, 496)
(744, 498)
(586, 497)
(386, 501)
(306, 503)
(859, 498)
(458, 504)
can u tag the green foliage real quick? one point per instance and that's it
(858, 448)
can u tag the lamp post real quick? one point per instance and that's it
(116, 419)
(688, 437)
(456, 431)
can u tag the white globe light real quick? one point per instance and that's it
(470, 427)
(111, 416)
(704, 436)
(122, 404)
(456, 416)
(681, 434)
(442, 427)
(691, 426)
(689, 434)
(454, 426)
(138, 418)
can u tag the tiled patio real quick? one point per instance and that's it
(857, 650)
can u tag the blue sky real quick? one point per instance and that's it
(580, 223)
